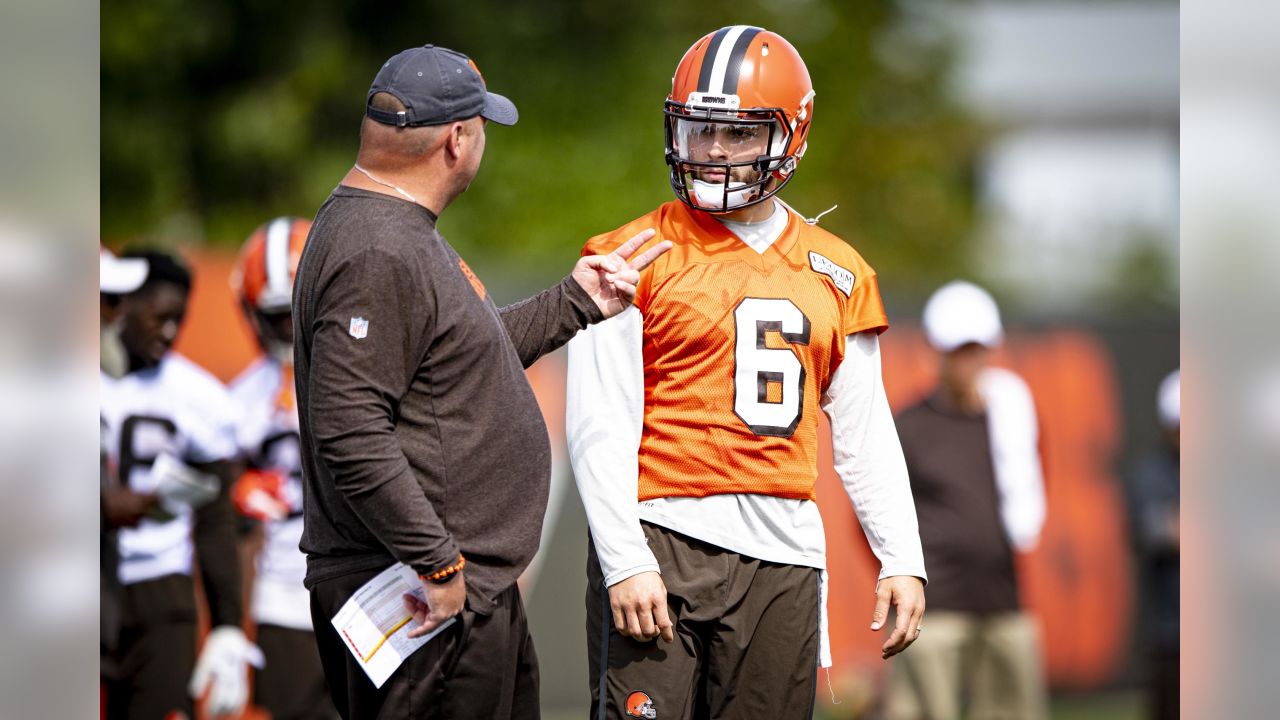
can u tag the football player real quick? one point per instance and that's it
(693, 419)
(169, 432)
(119, 506)
(292, 684)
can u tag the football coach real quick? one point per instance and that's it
(421, 439)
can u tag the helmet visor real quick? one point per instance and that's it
(722, 161)
(740, 143)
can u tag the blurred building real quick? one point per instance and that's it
(1079, 184)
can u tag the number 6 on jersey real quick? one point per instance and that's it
(768, 382)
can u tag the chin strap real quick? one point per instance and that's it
(813, 220)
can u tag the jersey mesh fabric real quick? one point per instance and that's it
(694, 442)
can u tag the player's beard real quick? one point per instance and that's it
(710, 193)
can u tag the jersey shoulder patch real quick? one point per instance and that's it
(842, 277)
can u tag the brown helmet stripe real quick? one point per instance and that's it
(709, 59)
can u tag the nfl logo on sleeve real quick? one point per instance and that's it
(359, 328)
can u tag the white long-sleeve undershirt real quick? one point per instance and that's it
(1015, 455)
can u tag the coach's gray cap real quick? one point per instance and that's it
(436, 85)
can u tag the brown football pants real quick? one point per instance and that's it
(291, 685)
(746, 639)
(157, 651)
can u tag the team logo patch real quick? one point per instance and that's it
(843, 278)
(359, 328)
(640, 705)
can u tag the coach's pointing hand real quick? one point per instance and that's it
(639, 606)
(611, 279)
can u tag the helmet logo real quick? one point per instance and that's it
(640, 705)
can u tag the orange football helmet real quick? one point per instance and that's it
(640, 705)
(737, 118)
(263, 282)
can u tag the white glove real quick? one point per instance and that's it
(223, 671)
(180, 484)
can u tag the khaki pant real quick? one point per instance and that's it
(992, 661)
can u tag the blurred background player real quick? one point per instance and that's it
(120, 507)
(1154, 501)
(169, 432)
(693, 419)
(971, 450)
(291, 685)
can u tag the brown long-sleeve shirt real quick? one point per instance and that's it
(953, 481)
(421, 437)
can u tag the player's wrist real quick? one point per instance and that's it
(620, 576)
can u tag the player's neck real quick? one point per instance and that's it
(755, 214)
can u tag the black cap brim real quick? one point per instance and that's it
(499, 109)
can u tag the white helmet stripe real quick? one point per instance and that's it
(723, 54)
(277, 259)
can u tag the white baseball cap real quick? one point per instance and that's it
(1169, 400)
(960, 313)
(120, 275)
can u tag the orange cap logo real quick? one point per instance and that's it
(471, 278)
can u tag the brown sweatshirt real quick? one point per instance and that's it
(953, 481)
(421, 437)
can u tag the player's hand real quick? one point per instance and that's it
(639, 606)
(906, 595)
(444, 600)
(611, 279)
(223, 671)
(124, 507)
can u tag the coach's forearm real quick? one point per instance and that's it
(549, 319)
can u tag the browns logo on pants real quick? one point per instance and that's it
(746, 638)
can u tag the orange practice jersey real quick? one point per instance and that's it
(738, 349)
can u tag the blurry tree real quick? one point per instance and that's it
(218, 115)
